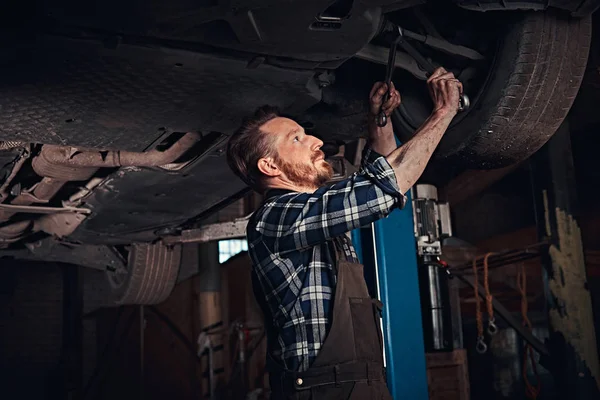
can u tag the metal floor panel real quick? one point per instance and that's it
(135, 202)
(80, 93)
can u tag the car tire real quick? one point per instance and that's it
(151, 274)
(535, 76)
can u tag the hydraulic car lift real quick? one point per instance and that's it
(388, 251)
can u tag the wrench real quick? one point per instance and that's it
(464, 101)
(381, 117)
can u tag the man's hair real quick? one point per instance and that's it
(249, 144)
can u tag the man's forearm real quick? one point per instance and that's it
(410, 159)
(382, 140)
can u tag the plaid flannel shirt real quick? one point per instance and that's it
(290, 243)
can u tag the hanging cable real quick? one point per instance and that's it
(492, 328)
(481, 347)
(507, 257)
(531, 391)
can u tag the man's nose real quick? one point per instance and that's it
(317, 143)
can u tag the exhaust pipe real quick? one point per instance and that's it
(42, 192)
(14, 232)
(61, 164)
(72, 157)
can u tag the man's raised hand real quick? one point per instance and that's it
(376, 99)
(445, 91)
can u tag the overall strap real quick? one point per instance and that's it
(339, 248)
(334, 252)
(345, 248)
(340, 252)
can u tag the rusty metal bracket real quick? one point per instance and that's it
(42, 209)
(211, 232)
(29, 198)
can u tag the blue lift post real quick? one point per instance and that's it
(389, 249)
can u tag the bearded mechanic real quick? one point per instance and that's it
(323, 335)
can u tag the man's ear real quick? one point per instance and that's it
(268, 167)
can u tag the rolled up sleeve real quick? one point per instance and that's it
(381, 173)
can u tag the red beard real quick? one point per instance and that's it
(317, 174)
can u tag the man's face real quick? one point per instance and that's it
(298, 155)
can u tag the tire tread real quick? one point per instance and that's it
(547, 75)
(153, 274)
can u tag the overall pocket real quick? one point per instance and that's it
(367, 339)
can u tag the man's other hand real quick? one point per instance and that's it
(376, 99)
(445, 91)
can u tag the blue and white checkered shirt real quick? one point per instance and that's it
(290, 243)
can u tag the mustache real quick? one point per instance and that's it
(318, 154)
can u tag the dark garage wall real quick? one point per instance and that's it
(31, 308)
(30, 330)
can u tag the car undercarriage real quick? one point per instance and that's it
(114, 115)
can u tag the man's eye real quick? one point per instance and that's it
(296, 139)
